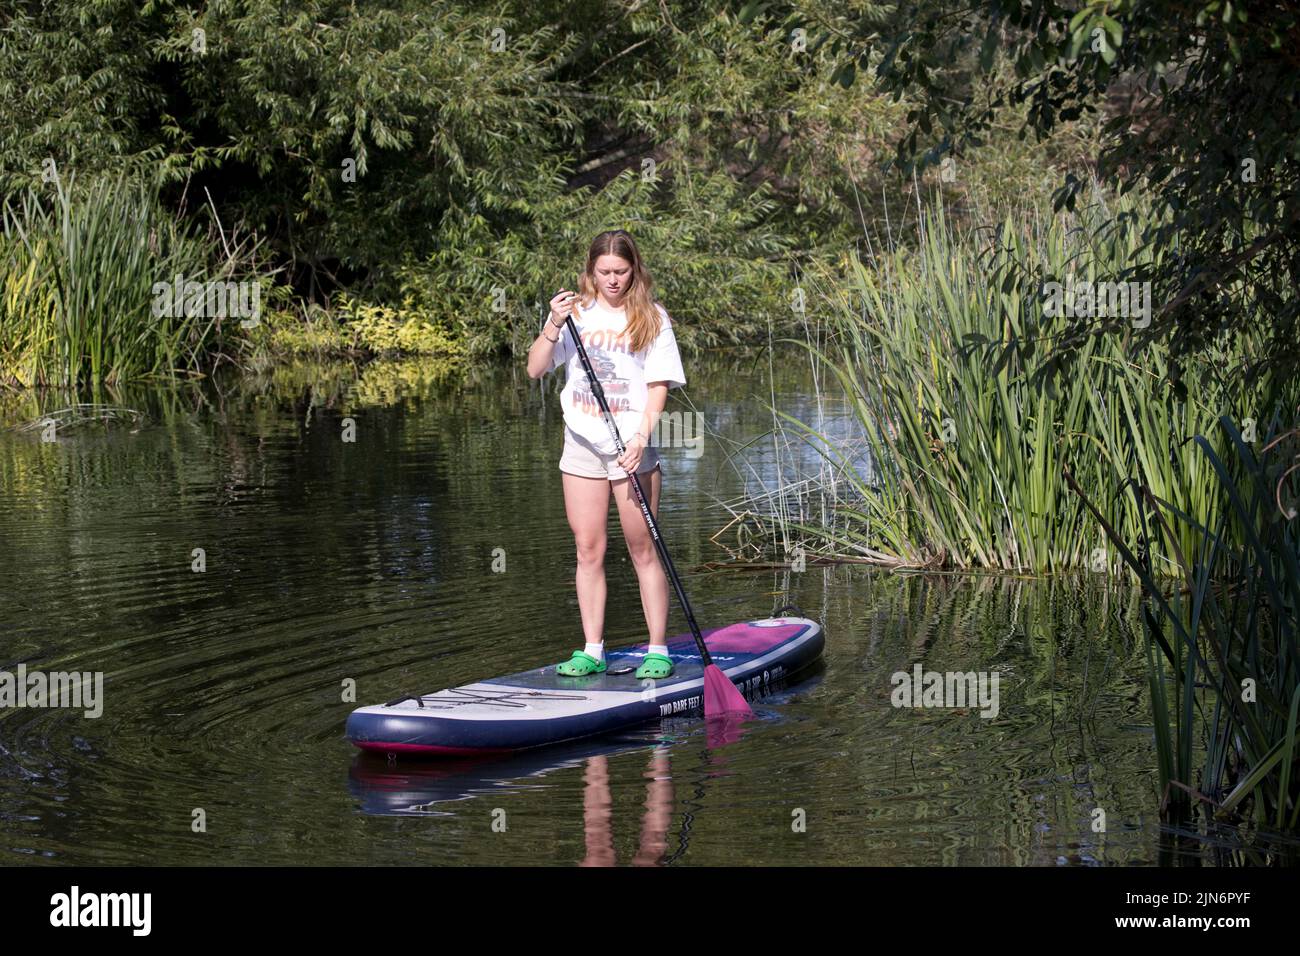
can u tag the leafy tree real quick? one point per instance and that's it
(442, 151)
(1202, 113)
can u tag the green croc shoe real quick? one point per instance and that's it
(581, 664)
(655, 666)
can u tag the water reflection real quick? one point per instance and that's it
(329, 563)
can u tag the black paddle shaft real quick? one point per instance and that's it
(660, 547)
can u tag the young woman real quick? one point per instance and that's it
(629, 340)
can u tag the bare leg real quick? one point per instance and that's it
(659, 796)
(598, 811)
(641, 548)
(586, 502)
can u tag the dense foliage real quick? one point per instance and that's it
(1202, 109)
(454, 159)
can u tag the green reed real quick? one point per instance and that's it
(77, 269)
(937, 347)
(1222, 645)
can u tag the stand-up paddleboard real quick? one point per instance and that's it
(420, 787)
(541, 707)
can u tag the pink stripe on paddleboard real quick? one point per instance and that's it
(741, 637)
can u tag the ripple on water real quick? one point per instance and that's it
(225, 689)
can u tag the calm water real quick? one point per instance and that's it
(371, 561)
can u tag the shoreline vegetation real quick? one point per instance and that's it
(389, 202)
(970, 440)
(982, 463)
(86, 297)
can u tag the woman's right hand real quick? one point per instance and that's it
(562, 306)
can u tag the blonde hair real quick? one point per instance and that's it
(643, 322)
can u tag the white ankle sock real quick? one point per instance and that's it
(595, 650)
(658, 649)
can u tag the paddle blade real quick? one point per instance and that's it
(721, 696)
(723, 730)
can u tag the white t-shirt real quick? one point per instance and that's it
(623, 374)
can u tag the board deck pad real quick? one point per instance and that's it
(538, 707)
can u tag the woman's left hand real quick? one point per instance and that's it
(630, 460)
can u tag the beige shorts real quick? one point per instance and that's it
(581, 458)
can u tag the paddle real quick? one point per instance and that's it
(720, 694)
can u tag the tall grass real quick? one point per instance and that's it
(77, 270)
(1223, 649)
(936, 348)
